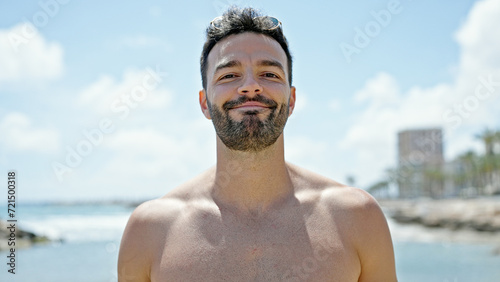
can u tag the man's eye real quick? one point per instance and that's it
(269, 74)
(228, 76)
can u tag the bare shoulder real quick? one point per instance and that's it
(306, 181)
(354, 200)
(368, 231)
(359, 218)
(144, 236)
(148, 227)
(333, 193)
(151, 219)
(157, 210)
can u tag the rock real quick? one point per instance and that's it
(481, 214)
(405, 217)
(432, 221)
(23, 238)
(496, 251)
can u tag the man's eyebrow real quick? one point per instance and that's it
(228, 64)
(271, 63)
(235, 63)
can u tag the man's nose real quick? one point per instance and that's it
(250, 86)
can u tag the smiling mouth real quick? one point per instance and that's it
(251, 106)
(244, 103)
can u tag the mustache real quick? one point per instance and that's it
(243, 99)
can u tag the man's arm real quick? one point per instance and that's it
(374, 241)
(134, 259)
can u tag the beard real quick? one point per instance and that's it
(250, 134)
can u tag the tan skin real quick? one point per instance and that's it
(255, 217)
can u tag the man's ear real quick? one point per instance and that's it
(291, 104)
(204, 103)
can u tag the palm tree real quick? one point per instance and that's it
(469, 174)
(489, 138)
(404, 178)
(434, 178)
(379, 189)
(490, 163)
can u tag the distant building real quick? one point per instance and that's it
(420, 163)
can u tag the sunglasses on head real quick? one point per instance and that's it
(267, 22)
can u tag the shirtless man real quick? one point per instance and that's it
(255, 217)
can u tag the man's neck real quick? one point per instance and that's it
(249, 182)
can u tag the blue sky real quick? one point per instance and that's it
(68, 67)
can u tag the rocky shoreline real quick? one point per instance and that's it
(23, 239)
(481, 214)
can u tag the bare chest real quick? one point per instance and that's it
(216, 249)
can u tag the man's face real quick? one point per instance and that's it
(248, 96)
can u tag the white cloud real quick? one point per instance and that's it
(146, 152)
(138, 88)
(478, 40)
(150, 146)
(456, 106)
(382, 89)
(156, 161)
(296, 152)
(25, 54)
(19, 134)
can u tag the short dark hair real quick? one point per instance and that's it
(236, 20)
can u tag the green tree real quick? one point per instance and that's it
(489, 164)
(468, 174)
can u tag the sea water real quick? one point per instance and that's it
(86, 240)
(84, 247)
